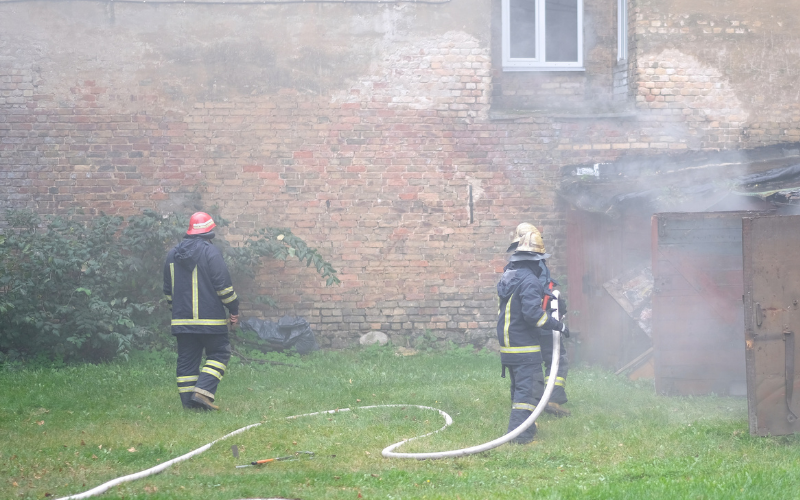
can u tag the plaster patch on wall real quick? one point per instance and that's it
(447, 72)
(674, 83)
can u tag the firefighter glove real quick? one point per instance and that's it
(564, 330)
(562, 307)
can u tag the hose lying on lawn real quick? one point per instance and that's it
(387, 452)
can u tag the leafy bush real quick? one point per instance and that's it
(72, 289)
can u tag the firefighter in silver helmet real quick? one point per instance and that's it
(522, 323)
(199, 289)
(559, 396)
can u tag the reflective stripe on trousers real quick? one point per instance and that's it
(190, 353)
(527, 387)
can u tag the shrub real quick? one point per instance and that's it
(91, 290)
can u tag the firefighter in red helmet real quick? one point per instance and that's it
(198, 288)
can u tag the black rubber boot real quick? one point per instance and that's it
(186, 401)
(516, 418)
(528, 436)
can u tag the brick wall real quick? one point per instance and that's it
(365, 138)
(729, 71)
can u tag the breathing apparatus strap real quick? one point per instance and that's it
(546, 300)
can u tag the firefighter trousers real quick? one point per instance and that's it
(527, 387)
(191, 376)
(559, 390)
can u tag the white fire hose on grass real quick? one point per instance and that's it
(387, 452)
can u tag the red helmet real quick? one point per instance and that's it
(200, 223)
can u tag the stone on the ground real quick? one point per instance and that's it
(373, 338)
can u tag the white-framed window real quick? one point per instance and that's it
(542, 35)
(622, 30)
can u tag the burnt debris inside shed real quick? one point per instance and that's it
(675, 219)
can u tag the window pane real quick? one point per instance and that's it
(523, 28)
(561, 17)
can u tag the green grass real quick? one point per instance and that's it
(64, 431)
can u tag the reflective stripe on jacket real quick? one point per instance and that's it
(199, 288)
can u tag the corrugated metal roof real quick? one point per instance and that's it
(691, 182)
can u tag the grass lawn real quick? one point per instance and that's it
(64, 431)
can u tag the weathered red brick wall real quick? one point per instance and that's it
(375, 174)
(361, 128)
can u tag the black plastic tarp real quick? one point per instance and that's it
(288, 332)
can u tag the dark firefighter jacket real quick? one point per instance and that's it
(198, 286)
(521, 320)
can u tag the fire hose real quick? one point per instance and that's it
(387, 452)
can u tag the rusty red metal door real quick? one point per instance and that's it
(770, 247)
(697, 327)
